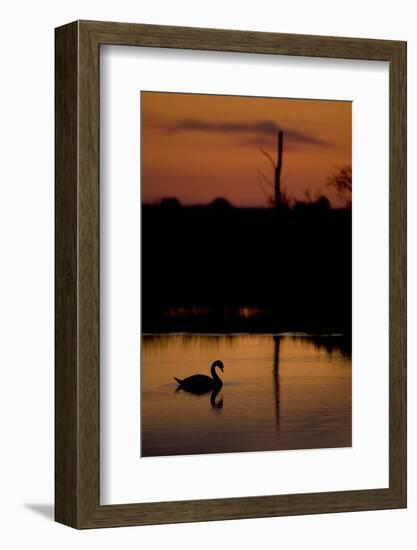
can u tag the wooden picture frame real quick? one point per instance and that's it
(77, 397)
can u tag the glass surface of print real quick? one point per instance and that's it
(246, 274)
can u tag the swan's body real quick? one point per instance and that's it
(201, 383)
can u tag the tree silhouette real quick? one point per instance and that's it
(278, 199)
(342, 182)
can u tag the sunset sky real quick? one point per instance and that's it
(200, 147)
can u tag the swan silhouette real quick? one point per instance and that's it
(201, 383)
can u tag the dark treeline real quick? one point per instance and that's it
(222, 269)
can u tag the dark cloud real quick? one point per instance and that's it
(247, 132)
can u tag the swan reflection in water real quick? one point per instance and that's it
(200, 384)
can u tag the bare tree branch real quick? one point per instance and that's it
(267, 195)
(265, 178)
(268, 156)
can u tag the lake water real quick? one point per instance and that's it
(279, 392)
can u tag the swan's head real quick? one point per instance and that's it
(219, 364)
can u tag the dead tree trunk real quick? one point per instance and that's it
(278, 169)
(277, 199)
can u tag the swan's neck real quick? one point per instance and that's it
(214, 374)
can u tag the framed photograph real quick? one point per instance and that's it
(230, 274)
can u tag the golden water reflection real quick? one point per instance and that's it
(279, 392)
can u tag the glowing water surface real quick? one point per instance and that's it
(279, 392)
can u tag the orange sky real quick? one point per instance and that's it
(200, 147)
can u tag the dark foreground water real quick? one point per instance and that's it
(279, 392)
